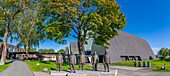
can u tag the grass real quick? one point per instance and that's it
(154, 63)
(51, 65)
(3, 67)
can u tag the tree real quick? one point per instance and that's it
(83, 19)
(26, 28)
(163, 52)
(46, 51)
(1, 34)
(61, 51)
(32, 49)
(169, 52)
(8, 10)
(2, 25)
(1, 29)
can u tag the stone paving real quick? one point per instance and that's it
(135, 71)
(17, 68)
(127, 68)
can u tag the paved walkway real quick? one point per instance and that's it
(17, 68)
(135, 71)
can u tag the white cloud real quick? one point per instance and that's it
(155, 50)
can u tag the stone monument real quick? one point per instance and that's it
(106, 61)
(72, 62)
(59, 61)
(81, 61)
(95, 60)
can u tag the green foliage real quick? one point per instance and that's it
(163, 53)
(101, 18)
(169, 52)
(61, 51)
(26, 28)
(2, 31)
(32, 49)
(9, 9)
(168, 59)
(157, 57)
(46, 51)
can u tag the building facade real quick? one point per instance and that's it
(13, 51)
(123, 47)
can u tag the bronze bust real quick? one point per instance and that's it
(59, 61)
(106, 61)
(72, 62)
(81, 60)
(95, 60)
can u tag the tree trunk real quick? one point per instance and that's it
(26, 50)
(81, 47)
(4, 52)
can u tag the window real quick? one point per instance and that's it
(9, 49)
(12, 49)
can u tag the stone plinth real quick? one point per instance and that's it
(74, 74)
(107, 74)
(84, 73)
(57, 73)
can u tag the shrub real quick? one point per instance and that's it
(168, 59)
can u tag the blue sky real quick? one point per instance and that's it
(148, 19)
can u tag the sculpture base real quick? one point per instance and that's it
(84, 73)
(57, 73)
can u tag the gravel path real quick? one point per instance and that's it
(17, 68)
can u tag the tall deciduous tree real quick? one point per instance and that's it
(163, 52)
(26, 28)
(10, 8)
(83, 19)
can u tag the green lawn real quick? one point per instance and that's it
(154, 63)
(3, 67)
(51, 65)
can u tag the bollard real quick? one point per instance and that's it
(139, 64)
(144, 64)
(134, 63)
(148, 64)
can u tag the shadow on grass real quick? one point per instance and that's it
(8, 62)
(45, 62)
(66, 70)
(65, 64)
(53, 69)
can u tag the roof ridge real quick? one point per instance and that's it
(132, 35)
